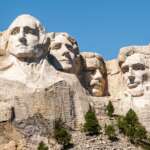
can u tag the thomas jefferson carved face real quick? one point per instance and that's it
(64, 50)
(95, 74)
(24, 37)
(134, 74)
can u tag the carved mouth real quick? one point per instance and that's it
(21, 46)
(95, 90)
(133, 85)
(97, 86)
(95, 83)
(65, 61)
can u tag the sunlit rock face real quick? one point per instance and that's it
(94, 74)
(25, 45)
(3, 42)
(64, 52)
(32, 87)
(135, 74)
(26, 35)
(115, 83)
(134, 63)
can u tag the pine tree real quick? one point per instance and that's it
(61, 133)
(122, 124)
(110, 109)
(110, 131)
(131, 117)
(91, 125)
(131, 127)
(42, 146)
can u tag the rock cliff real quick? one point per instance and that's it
(44, 77)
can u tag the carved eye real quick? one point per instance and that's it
(102, 70)
(28, 30)
(56, 46)
(69, 47)
(15, 30)
(90, 71)
(138, 67)
(102, 67)
(125, 69)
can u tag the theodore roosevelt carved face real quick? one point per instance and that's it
(94, 74)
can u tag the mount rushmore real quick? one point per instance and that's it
(44, 76)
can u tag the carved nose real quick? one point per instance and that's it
(131, 79)
(98, 75)
(66, 54)
(23, 40)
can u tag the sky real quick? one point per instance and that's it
(102, 26)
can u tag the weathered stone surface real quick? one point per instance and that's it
(5, 111)
(135, 73)
(44, 77)
(115, 81)
(64, 52)
(26, 38)
(35, 92)
(10, 146)
(57, 99)
(101, 142)
(94, 74)
(3, 42)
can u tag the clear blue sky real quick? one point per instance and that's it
(102, 26)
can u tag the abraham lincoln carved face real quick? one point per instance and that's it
(134, 74)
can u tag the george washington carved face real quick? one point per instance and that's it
(134, 73)
(24, 37)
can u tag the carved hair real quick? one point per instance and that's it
(88, 55)
(130, 50)
(37, 23)
(3, 43)
(74, 43)
(38, 26)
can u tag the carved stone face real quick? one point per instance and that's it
(24, 37)
(62, 50)
(94, 75)
(134, 74)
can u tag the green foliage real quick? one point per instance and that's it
(134, 130)
(130, 131)
(42, 146)
(140, 132)
(131, 127)
(122, 124)
(131, 117)
(61, 134)
(110, 109)
(136, 133)
(91, 125)
(110, 131)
